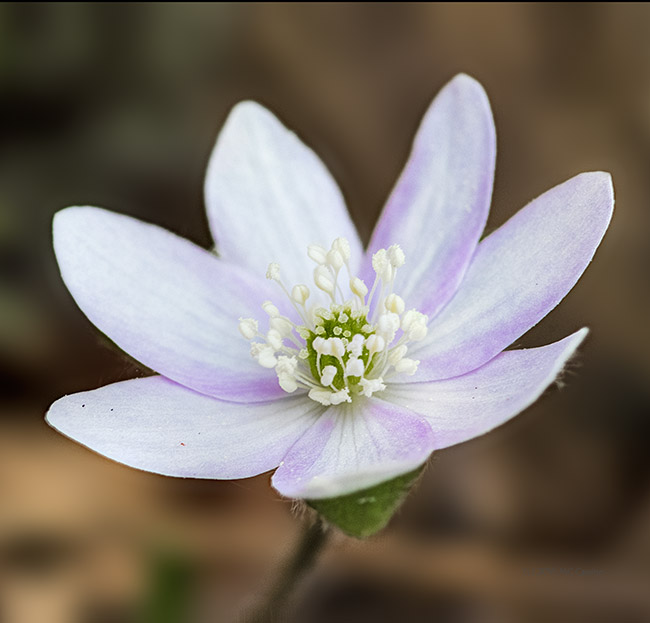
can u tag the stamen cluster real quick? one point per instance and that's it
(349, 348)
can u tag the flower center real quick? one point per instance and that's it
(347, 347)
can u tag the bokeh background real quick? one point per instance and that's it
(545, 519)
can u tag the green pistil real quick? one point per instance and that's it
(344, 323)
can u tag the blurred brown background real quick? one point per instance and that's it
(546, 519)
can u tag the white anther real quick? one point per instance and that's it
(406, 366)
(397, 354)
(380, 263)
(300, 294)
(287, 382)
(370, 386)
(395, 304)
(355, 345)
(338, 347)
(273, 271)
(323, 279)
(335, 260)
(358, 288)
(248, 328)
(387, 326)
(286, 365)
(322, 395)
(414, 324)
(411, 316)
(354, 367)
(317, 253)
(342, 395)
(322, 346)
(274, 338)
(282, 325)
(418, 331)
(375, 344)
(266, 356)
(328, 374)
(270, 309)
(396, 256)
(343, 247)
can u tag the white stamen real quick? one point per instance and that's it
(387, 326)
(381, 265)
(406, 366)
(274, 338)
(323, 279)
(322, 346)
(248, 327)
(317, 253)
(273, 271)
(338, 348)
(375, 344)
(300, 294)
(282, 325)
(286, 365)
(335, 260)
(343, 395)
(414, 325)
(343, 247)
(354, 367)
(395, 304)
(355, 345)
(358, 288)
(338, 331)
(266, 357)
(370, 386)
(397, 354)
(270, 309)
(287, 382)
(322, 395)
(328, 374)
(396, 256)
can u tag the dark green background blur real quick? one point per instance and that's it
(546, 519)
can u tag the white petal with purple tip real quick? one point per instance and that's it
(518, 275)
(158, 426)
(465, 407)
(352, 447)
(165, 301)
(268, 196)
(439, 206)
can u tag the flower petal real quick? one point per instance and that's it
(158, 426)
(352, 447)
(269, 196)
(439, 206)
(165, 301)
(518, 275)
(470, 405)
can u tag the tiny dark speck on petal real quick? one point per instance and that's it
(182, 444)
(83, 405)
(111, 409)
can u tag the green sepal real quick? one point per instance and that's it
(362, 513)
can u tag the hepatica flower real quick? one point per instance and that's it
(294, 349)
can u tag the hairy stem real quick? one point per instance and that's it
(273, 607)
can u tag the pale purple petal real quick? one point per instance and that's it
(165, 301)
(518, 275)
(158, 426)
(440, 204)
(467, 406)
(268, 197)
(352, 447)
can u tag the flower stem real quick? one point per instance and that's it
(272, 609)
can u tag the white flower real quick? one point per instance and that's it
(347, 385)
